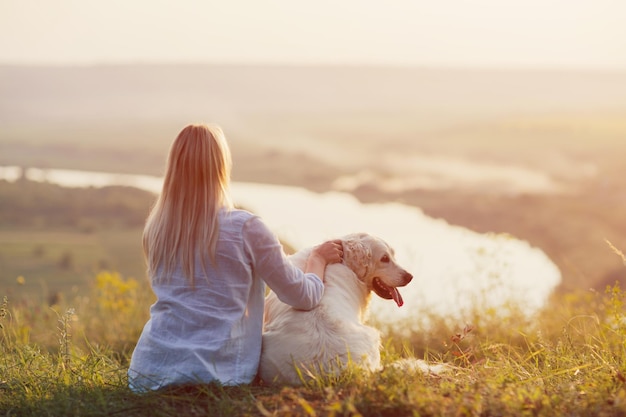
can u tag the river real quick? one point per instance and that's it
(454, 269)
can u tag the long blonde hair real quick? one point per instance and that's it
(184, 220)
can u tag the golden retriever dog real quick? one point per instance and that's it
(297, 345)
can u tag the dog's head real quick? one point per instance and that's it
(372, 260)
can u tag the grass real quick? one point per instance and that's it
(71, 359)
(47, 264)
(68, 355)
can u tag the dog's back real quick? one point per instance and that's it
(298, 344)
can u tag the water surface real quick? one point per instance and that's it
(454, 269)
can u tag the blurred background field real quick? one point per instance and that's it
(537, 154)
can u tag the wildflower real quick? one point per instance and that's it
(115, 293)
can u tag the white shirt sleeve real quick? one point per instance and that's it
(269, 263)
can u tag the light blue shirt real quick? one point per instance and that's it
(213, 332)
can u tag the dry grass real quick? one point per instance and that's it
(71, 359)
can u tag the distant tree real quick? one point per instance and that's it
(66, 261)
(39, 251)
(104, 264)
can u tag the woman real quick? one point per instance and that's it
(208, 264)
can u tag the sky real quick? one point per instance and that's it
(578, 34)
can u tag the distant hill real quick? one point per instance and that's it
(111, 112)
(171, 93)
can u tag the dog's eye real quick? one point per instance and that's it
(385, 258)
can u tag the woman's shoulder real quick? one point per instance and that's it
(251, 223)
(243, 223)
(236, 217)
(236, 213)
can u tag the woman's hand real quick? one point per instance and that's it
(329, 252)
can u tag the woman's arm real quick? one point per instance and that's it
(300, 289)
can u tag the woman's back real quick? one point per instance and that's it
(200, 333)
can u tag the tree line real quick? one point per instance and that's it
(40, 205)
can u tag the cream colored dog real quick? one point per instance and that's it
(298, 344)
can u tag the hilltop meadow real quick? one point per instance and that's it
(73, 292)
(67, 354)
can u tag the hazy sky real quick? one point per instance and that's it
(478, 33)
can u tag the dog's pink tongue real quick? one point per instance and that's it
(395, 294)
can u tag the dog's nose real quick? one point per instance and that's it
(407, 277)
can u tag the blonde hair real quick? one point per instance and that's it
(184, 220)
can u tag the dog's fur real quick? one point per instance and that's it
(300, 344)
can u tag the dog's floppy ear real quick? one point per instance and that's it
(357, 255)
